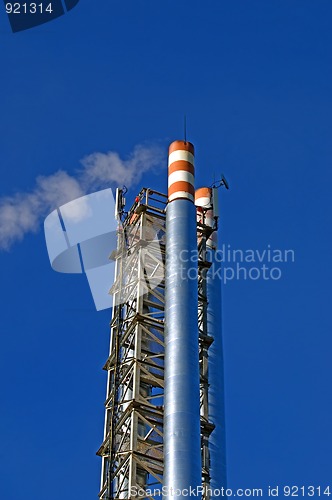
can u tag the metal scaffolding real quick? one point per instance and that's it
(204, 232)
(132, 450)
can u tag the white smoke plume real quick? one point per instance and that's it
(23, 213)
(101, 169)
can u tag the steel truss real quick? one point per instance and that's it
(204, 232)
(132, 450)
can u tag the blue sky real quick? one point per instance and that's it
(254, 79)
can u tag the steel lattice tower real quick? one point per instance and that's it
(132, 451)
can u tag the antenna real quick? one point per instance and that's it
(221, 182)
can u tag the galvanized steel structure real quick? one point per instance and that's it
(132, 450)
(162, 406)
(182, 447)
(210, 319)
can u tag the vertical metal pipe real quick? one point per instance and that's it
(217, 441)
(182, 451)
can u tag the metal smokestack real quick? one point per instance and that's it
(182, 450)
(206, 200)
